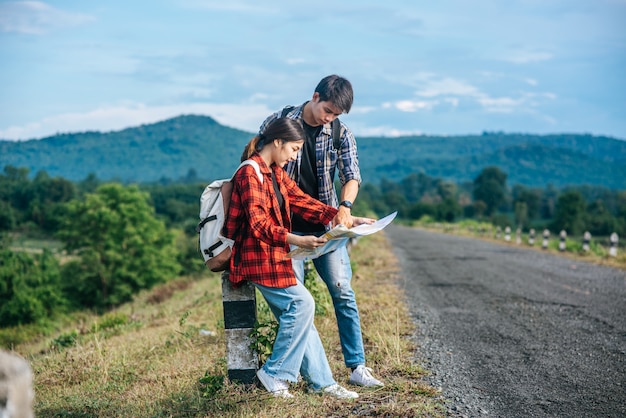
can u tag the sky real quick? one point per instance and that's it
(445, 67)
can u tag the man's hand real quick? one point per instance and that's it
(343, 217)
(357, 220)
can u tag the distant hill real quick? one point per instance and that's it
(171, 148)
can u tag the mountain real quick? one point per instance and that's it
(531, 160)
(167, 149)
(171, 148)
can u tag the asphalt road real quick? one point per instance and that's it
(510, 331)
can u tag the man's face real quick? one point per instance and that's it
(323, 112)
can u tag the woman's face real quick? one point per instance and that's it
(286, 151)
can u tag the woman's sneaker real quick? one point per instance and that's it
(339, 392)
(362, 376)
(278, 388)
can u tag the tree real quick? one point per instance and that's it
(490, 188)
(46, 195)
(121, 245)
(7, 216)
(521, 213)
(448, 210)
(599, 220)
(570, 213)
(30, 287)
(530, 197)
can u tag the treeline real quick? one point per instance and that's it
(599, 210)
(113, 244)
(114, 240)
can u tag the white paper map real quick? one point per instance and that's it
(339, 236)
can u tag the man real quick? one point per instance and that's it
(314, 171)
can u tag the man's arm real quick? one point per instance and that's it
(349, 191)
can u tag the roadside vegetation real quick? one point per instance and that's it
(102, 289)
(597, 250)
(163, 355)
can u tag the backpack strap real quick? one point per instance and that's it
(286, 110)
(336, 127)
(253, 164)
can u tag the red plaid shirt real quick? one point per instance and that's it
(259, 227)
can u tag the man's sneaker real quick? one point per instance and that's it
(362, 376)
(339, 392)
(278, 388)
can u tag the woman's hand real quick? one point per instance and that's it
(310, 242)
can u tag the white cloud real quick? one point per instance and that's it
(499, 104)
(37, 18)
(448, 91)
(447, 86)
(382, 131)
(526, 57)
(295, 61)
(525, 102)
(362, 110)
(414, 105)
(231, 6)
(246, 117)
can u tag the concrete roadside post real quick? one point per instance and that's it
(614, 240)
(562, 236)
(16, 387)
(546, 235)
(586, 240)
(239, 318)
(531, 237)
(507, 234)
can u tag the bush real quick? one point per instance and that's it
(121, 247)
(30, 287)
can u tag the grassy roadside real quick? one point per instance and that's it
(148, 358)
(573, 249)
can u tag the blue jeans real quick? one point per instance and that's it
(297, 348)
(335, 270)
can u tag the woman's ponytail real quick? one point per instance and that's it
(254, 145)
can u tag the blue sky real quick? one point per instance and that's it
(445, 67)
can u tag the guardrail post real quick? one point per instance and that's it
(586, 240)
(239, 318)
(16, 387)
(614, 239)
(531, 237)
(546, 235)
(562, 236)
(507, 234)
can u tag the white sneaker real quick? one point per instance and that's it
(278, 388)
(362, 376)
(340, 392)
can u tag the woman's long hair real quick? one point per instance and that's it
(285, 129)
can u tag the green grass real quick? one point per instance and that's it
(149, 359)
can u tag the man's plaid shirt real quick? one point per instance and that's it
(259, 227)
(327, 157)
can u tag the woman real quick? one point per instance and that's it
(259, 222)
